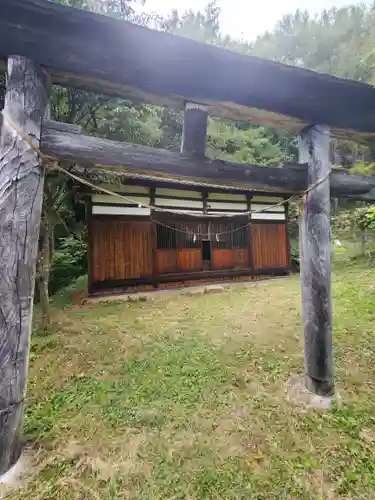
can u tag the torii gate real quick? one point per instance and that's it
(42, 43)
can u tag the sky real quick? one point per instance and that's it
(247, 18)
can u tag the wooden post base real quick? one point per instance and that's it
(298, 394)
(320, 387)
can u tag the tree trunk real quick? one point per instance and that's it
(21, 194)
(44, 268)
(363, 242)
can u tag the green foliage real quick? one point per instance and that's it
(64, 270)
(294, 253)
(237, 142)
(344, 221)
(201, 26)
(121, 9)
(367, 218)
(122, 121)
(66, 295)
(242, 144)
(330, 42)
(76, 246)
(360, 218)
(356, 228)
(370, 252)
(339, 42)
(171, 124)
(69, 262)
(362, 168)
(116, 119)
(293, 220)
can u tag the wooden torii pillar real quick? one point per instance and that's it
(21, 195)
(315, 261)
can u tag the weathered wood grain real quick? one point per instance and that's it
(21, 193)
(194, 131)
(87, 150)
(59, 142)
(86, 50)
(315, 263)
(72, 128)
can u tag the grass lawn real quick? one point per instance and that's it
(184, 398)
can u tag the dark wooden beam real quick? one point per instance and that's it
(133, 158)
(21, 195)
(315, 263)
(84, 150)
(86, 50)
(359, 187)
(195, 129)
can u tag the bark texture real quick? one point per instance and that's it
(315, 262)
(21, 194)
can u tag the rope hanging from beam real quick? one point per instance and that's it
(52, 164)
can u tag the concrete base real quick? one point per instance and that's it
(11, 479)
(298, 394)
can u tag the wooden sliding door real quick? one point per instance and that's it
(121, 250)
(269, 245)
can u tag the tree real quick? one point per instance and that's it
(122, 9)
(240, 142)
(243, 144)
(337, 41)
(331, 42)
(200, 26)
(97, 114)
(57, 207)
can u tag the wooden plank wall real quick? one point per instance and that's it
(269, 246)
(234, 258)
(241, 258)
(125, 250)
(121, 250)
(222, 258)
(166, 261)
(190, 259)
(172, 261)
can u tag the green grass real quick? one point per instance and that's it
(184, 398)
